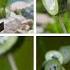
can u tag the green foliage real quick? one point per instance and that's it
(53, 28)
(57, 27)
(67, 21)
(40, 8)
(63, 17)
(3, 5)
(2, 13)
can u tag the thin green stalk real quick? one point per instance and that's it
(12, 61)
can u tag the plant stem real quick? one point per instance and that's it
(12, 61)
(62, 25)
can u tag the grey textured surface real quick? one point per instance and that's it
(14, 25)
(18, 23)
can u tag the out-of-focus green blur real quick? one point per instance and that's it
(44, 44)
(23, 55)
(40, 8)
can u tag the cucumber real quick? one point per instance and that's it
(55, 7)
(6, 43)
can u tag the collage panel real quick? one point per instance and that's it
(16, 53)
(53, 16)
(26, 29)
(16, 16)
(53, 53)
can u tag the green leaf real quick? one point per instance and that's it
(54, 27)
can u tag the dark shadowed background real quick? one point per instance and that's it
(44, 44)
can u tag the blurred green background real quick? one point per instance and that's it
(40, 8)
(44, 44)
(23, 55)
